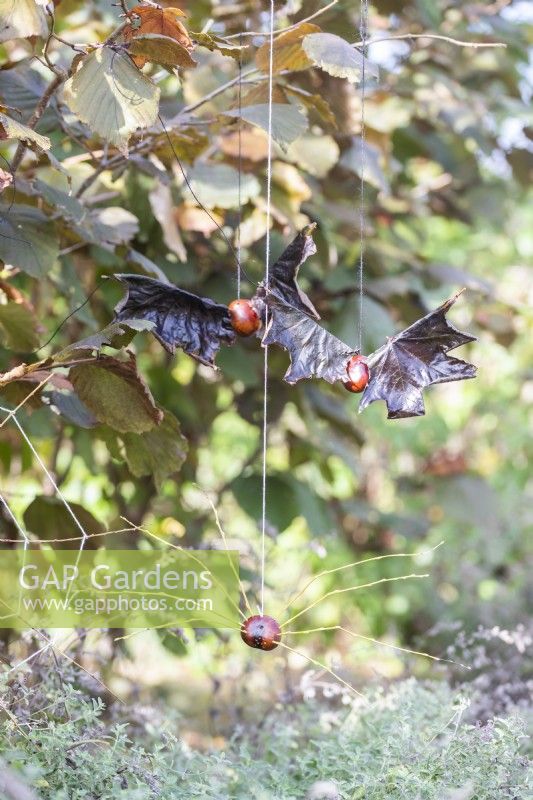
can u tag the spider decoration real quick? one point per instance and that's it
(264, 632)
(281, 314)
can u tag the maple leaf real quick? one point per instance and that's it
(195, 324)
(414, 359)
(283, 275)
(314, 352)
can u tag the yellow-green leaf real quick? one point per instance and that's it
(112, 96)
(11, 129)
(288, 122)
(20, 19)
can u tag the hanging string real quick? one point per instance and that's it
(239, 187)
(363, 33)
(267, 277)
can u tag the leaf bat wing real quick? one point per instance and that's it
(314, 352)
(183, 320)
(284, 273)
(414, 359)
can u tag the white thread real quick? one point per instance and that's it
(363, 30)
(84, 535)
(24, 536)
(239, 217)
(15, 521)
(20, 664)
(50, 478)
(267, 276)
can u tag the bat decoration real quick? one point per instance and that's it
(283, 284)
(282, 314)
(314, 352)
(414, 359)
(291, 319)
(195, 324)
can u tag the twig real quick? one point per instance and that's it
(193, 106)
(289, 27)
(50, 64)
(36, 116)
(78, 48)
(449, 39)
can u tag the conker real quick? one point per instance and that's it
(358, 374)
(261, 632)
(244, 318)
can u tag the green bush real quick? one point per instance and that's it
(409, 741)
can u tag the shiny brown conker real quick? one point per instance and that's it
(261, 632)
(358, 374)
(244, 318)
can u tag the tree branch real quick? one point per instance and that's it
(36, 116)
(449, 39)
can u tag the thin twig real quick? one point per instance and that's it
(216, 92)
(289, 27)
(449, 39)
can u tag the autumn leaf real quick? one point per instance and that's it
(250, 144)
(220, 45)
(160, 22)
(415, 359)
(283, 283)
(193, 218)
(6, 179)
(287, 51)
(314, 352)
(159, 50)
(195, 324)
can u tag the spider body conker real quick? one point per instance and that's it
(358, 374)
(261, 632)
(244, 318)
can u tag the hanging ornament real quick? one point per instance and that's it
(358, 374)
(397, 373)
(244, 318)
(261, 631)
(196, 325)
